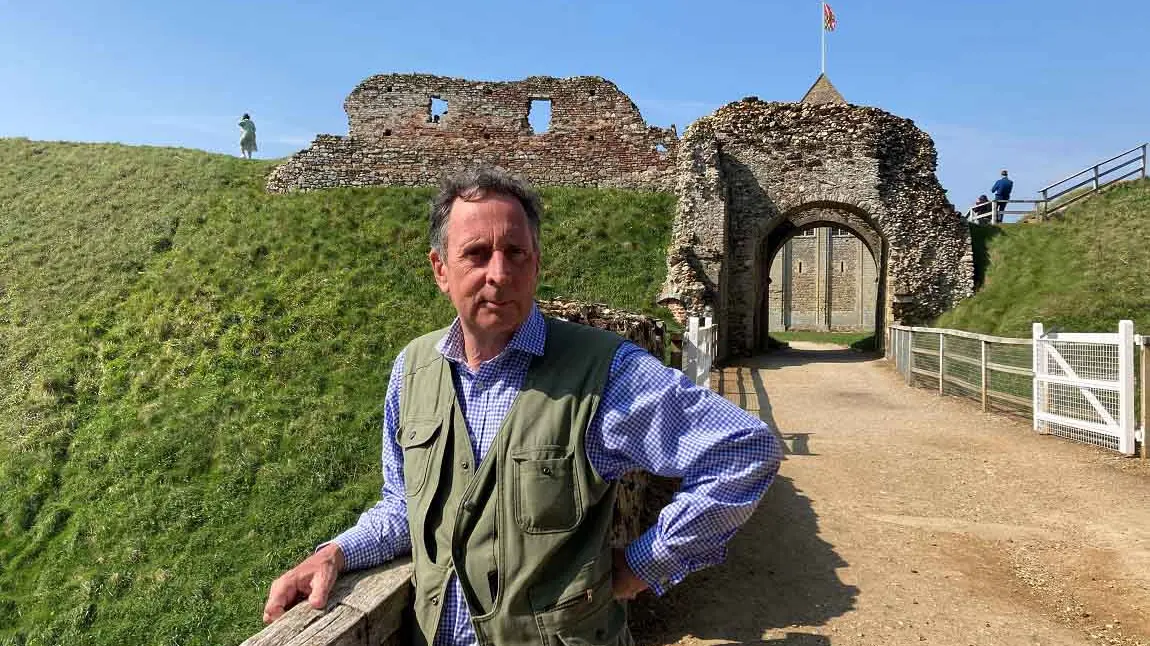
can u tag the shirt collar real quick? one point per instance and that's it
(530, 338)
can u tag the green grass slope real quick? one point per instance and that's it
(193, 373)
(1082, 272)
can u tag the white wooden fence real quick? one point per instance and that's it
(699, 345)
(1073, 385)
(995, 371)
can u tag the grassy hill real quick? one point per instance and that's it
(193, 373)
(1082, 272)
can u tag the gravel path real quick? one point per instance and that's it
(900, 517)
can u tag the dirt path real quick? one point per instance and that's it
(900, 517)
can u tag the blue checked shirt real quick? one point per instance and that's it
(651, 418)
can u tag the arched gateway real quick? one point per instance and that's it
(754, 174)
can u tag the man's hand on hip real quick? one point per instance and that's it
(312, 579)
(624, 582)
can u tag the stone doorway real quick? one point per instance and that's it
(822, 276)
(754, 174)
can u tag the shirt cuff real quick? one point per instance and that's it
(361, 549)
(658, 568)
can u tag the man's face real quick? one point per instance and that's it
(489, 266)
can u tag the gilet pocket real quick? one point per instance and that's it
(545, 493)
(417, 439)
(607, 626)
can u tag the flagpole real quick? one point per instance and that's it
(823, 33)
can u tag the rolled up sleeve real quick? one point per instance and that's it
(652, 418)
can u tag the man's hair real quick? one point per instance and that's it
(475, 183)
(1004, 171)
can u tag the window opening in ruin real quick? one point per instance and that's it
(539, 115)
(660, 148)
(438, 110)
(841, 233)
(807, 233)
(387, 132)
(800, 266)
(842, 267)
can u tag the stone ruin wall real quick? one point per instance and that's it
(597, 137)
(753, 166)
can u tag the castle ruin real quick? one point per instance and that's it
(410, 129)
(751, 180)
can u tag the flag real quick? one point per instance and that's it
(829, 21)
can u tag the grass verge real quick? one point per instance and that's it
(194, 373)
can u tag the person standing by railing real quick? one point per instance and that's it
(1001, 190)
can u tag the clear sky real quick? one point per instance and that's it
(1042, 87)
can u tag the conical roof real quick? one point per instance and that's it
(823, 91)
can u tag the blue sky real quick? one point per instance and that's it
(1043, 88)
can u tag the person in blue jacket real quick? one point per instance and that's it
(1001, 190)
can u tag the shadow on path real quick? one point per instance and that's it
(785, 357)
(778, 574)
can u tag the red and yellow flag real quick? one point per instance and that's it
(829, 21)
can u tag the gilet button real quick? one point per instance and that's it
(546, 471)
(469, 506)
(435, 600)
(465, 466)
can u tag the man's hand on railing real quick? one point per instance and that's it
(312, 579)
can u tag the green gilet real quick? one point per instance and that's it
(526, 529)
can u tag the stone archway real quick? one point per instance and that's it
(753, 170)
(804, 218)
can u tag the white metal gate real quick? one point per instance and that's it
(1084, 386)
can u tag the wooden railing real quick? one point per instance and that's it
(699, 346)
(366, 609)
(997, 372)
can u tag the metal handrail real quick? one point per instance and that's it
(1090, 168)
(1096, 179)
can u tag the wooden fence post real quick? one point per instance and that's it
(1145, 391)
(1039, 359)
(984, 382)
(676, 350)
(1126, 394)
(941, 361)
(909, 357)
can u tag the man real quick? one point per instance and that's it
(504, 438)
(1001, 190)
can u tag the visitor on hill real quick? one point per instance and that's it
(248, 139)
(1001, 190)
(504, 439)
(981, 209)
